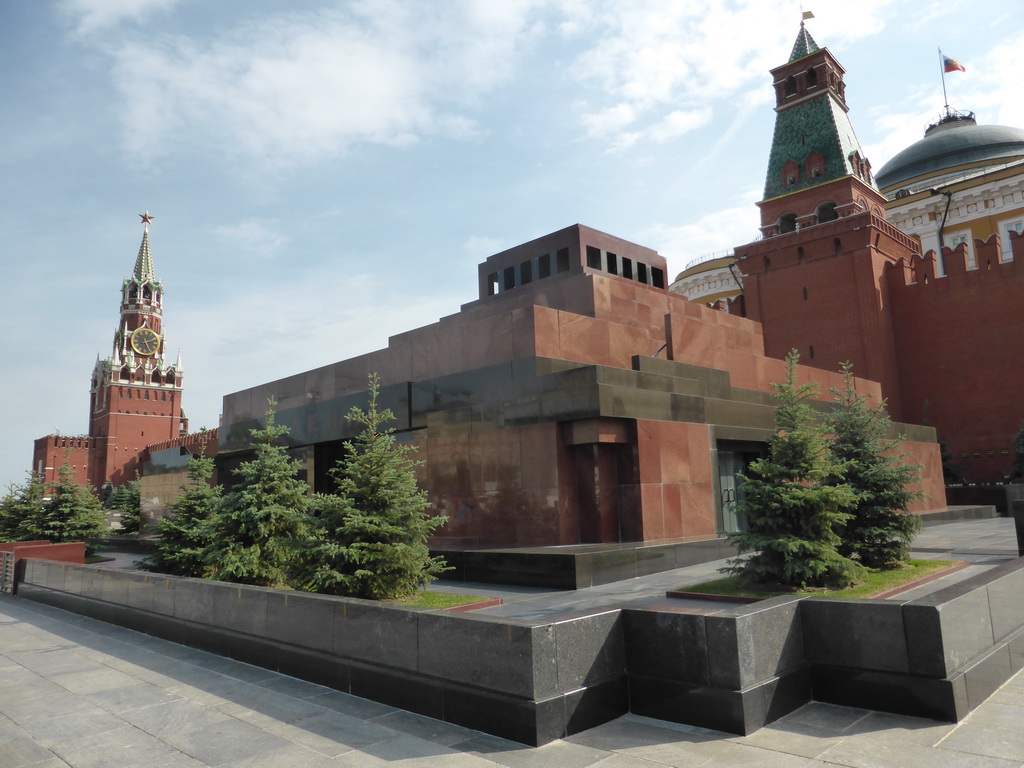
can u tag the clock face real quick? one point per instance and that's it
(145, 341)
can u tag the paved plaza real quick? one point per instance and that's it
(79, 692)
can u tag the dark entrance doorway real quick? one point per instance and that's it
(734, 457)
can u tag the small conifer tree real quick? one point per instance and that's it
(257, 526)
(22, 505)
(881, 529)
(792, 511)
(71, 513)
(372, 532)
(183, 534)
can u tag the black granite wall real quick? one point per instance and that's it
(734, 670)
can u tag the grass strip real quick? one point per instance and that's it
(873, 584)
(437, 600)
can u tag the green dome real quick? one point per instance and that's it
(954, 141)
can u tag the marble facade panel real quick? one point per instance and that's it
(487, 341)
(584, 339)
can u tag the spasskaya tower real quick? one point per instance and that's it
(136, 393)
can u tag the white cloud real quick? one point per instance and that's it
(252, 236)
(994, 84)
(96, 15)
(662, 64)
(679, 122)
(292, 88)
(713, 233)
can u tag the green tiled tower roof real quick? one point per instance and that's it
(817, 121)
(804, 45)
(143, 272)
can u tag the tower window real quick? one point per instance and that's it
(790, 85)
(812, 352)
(812, 78)
(593, 257)
(805, 294)
(826, 212)
(787, 223)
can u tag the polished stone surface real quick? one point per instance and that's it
(83, 693)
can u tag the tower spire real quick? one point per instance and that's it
(804, 45)
(143, 271)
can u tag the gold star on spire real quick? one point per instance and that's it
(146, 218)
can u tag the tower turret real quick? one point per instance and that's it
(817, 170)
(815, 279)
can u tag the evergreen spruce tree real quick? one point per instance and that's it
(881, 529)
(71, 513)
(184, 533)
(128, 500)
(255, 532)
(372, 532)
(791, 509)
(21, 508)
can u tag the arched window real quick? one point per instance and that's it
(837, 246)
(812, 78)
(790, 85)
(826, 212)
(800, 256)
(787, 223)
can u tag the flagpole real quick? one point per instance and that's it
(942, 70)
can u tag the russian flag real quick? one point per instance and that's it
(952, 65)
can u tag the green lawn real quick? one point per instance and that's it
(437, 600)
(876, 581)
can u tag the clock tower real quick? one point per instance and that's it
(135, 397)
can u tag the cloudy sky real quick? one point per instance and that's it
(324, 174)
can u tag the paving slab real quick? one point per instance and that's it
(75, 691)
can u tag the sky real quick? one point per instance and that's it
(325, 174)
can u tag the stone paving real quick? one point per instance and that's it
(78, 692)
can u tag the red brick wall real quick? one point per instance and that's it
(821, 291)
(122, 431)
(50, 452)
(959, 339)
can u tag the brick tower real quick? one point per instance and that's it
(815, 280)
(135, 395)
